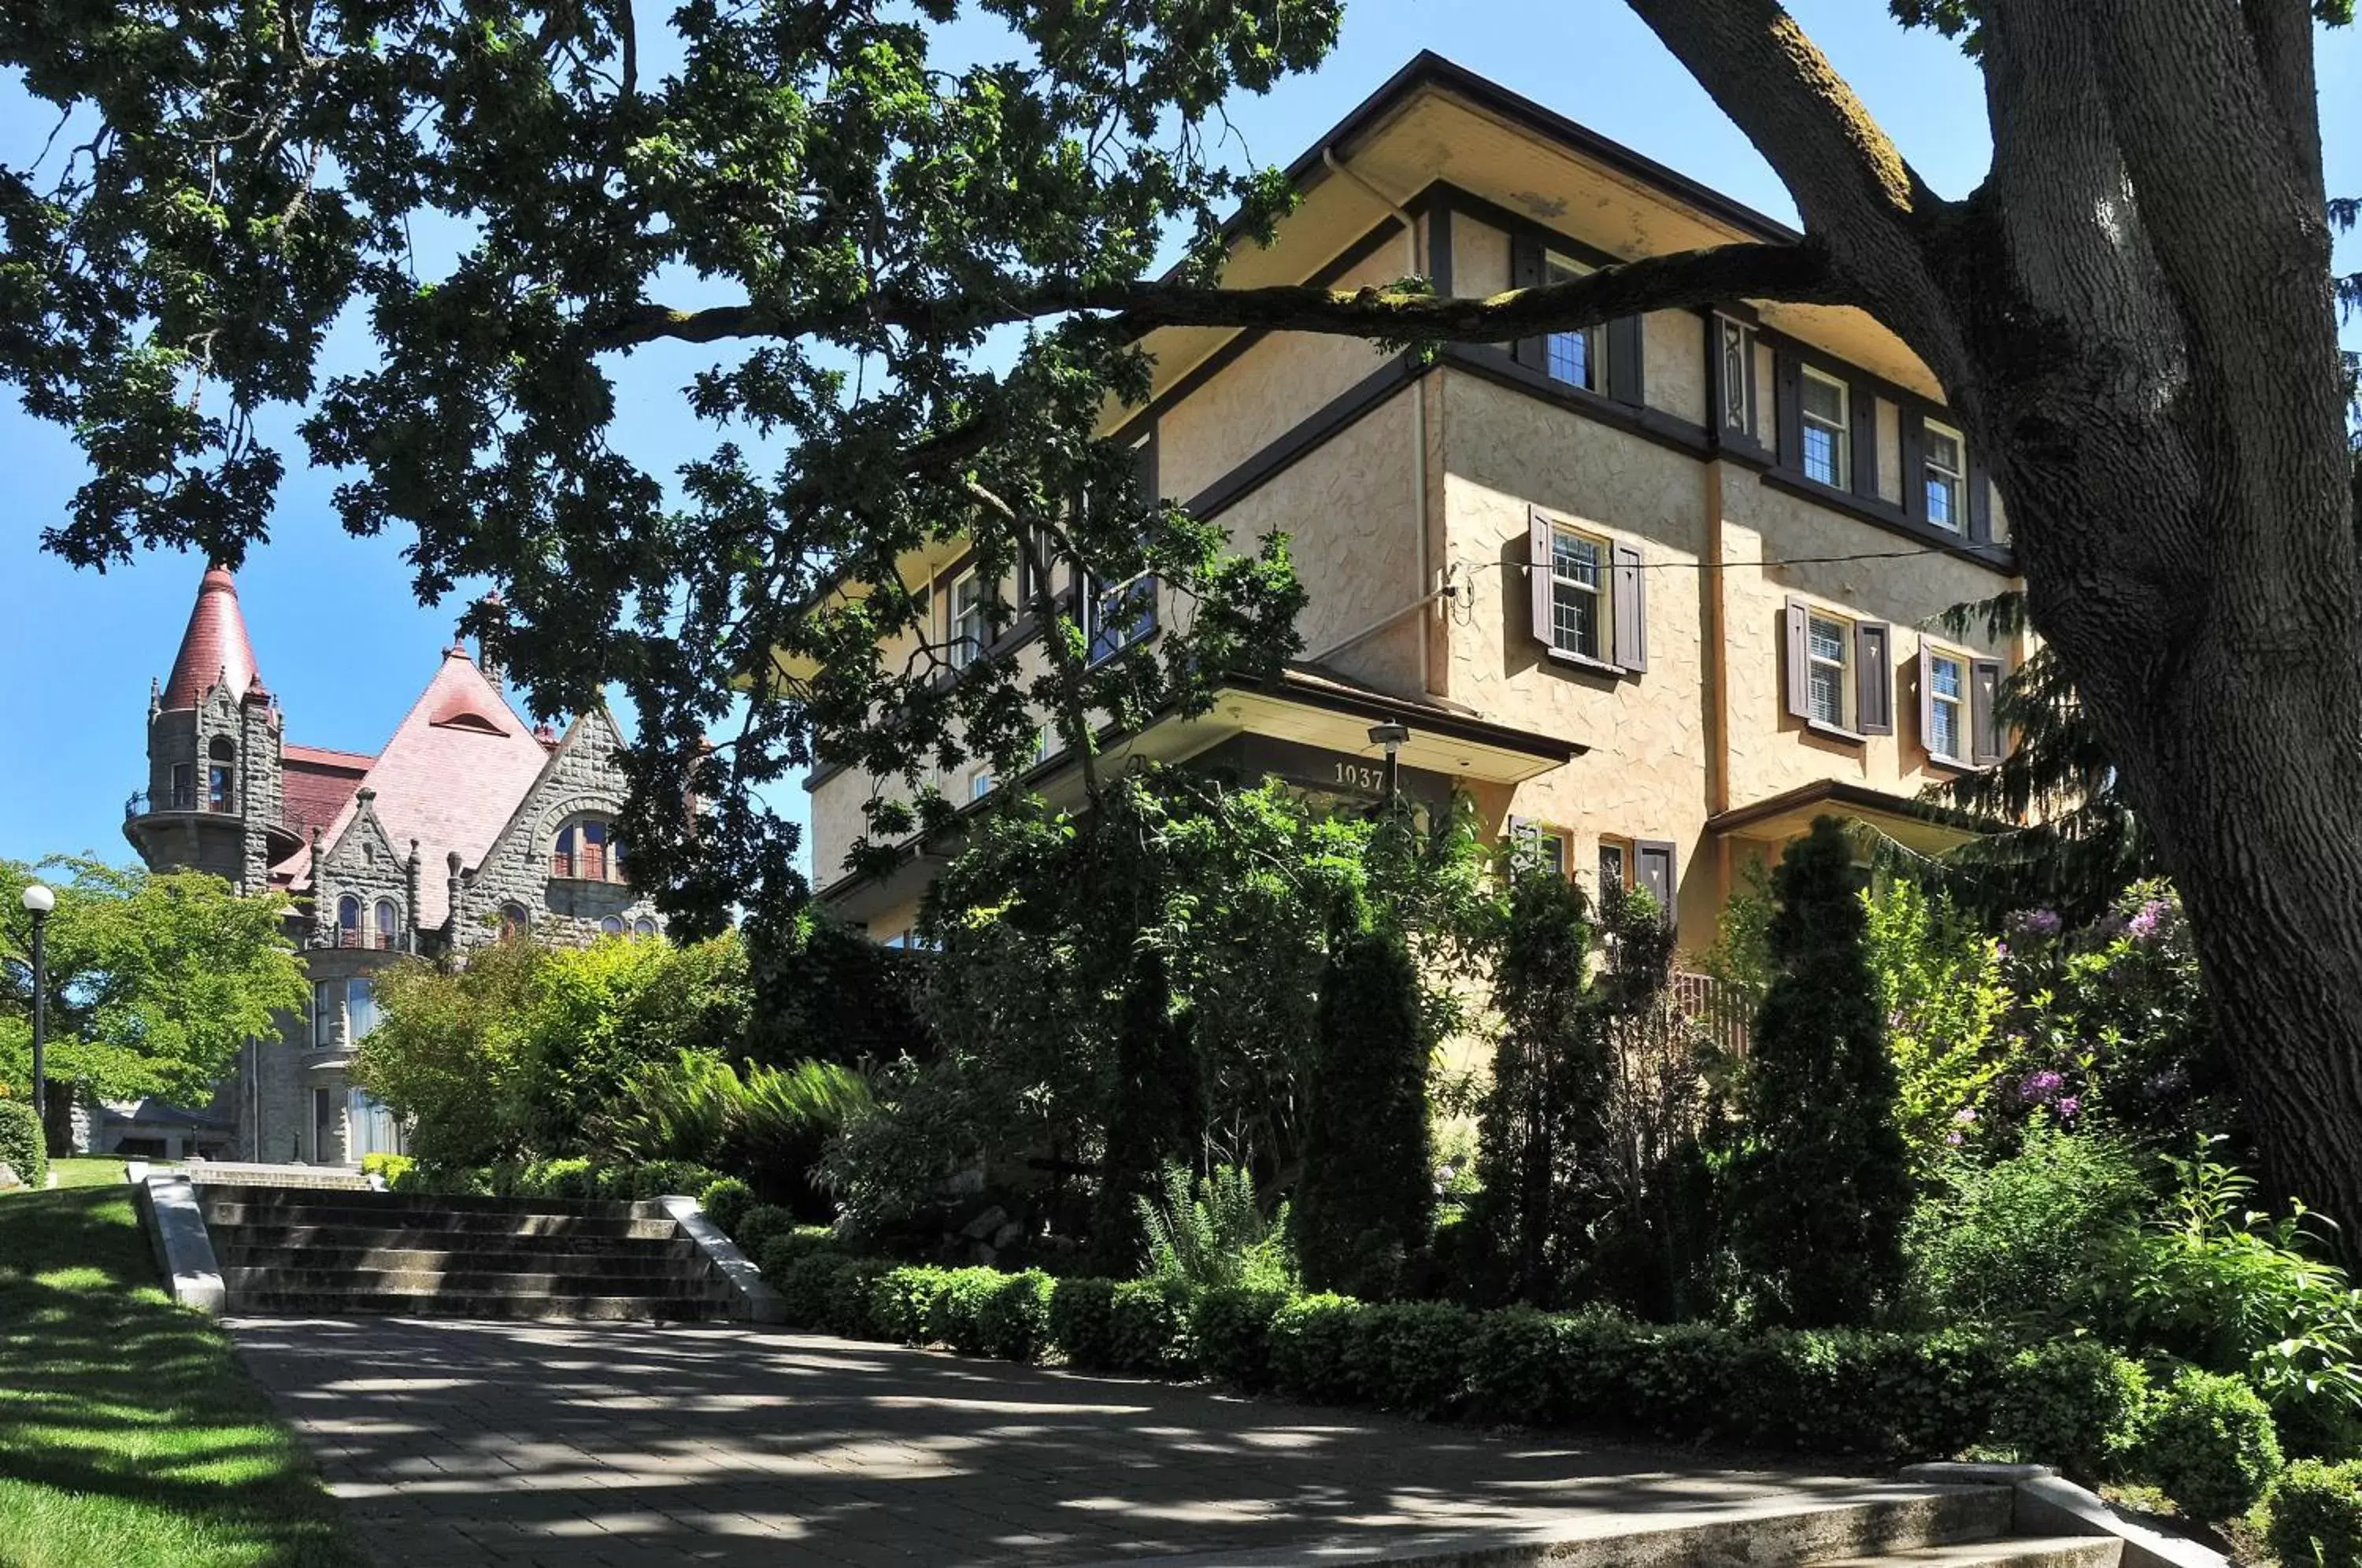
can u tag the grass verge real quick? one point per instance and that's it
(131, 1434)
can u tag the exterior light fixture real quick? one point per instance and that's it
(1392, 734)
(39, 901)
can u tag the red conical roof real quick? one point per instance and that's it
(215, 647)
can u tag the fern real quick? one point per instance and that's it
(1213, 1232)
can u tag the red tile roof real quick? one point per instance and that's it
(319, 782)
(449, 785)
(214, 647)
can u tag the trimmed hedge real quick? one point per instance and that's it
(21, 1146)
(726, 1202)
(1885, 1395)
(553, 1178)
(2208, 1442)
(2317, 1515)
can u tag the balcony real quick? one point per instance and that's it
(184, 805)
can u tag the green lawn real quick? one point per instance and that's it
(129, 1435)
(88, 1170)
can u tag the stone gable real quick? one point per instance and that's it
(580, 781)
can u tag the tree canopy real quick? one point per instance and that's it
(154, 980)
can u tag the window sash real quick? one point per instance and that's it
(967, 621)
(1827, 645)
(1826, 433)
(1122, 615)
(1948, 687)
(1945, 462)
(1578, 604)
(1612, 864)
(1573, 358)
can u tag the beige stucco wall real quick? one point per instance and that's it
(1770, 752)
(1282, 380)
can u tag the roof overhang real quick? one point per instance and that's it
(1316, 724)
(1916, 824)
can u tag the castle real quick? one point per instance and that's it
(467, 824)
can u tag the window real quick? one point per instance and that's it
(586, 852)
(643, 926)
(328, 1011)
(349, 921)
(222, 759)
(980, 784)
(1944, 459)
(514, 920)
(613, 926)
(1829, 642)
(389, 924)
(360, 1008)
(1122, 615)
(324, 1122)
(1536, 846)
(1614, 868)
(1825, 429)
(1578, 610)
(1944, 705)
(1573, 358)
(1735, 371)
(184, 787)
(966, 644)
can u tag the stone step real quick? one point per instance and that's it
(274, 1303)
(221, 1215)
(456, 1282)
(421, 1238)
(656, 1261)
(438, 1202)
(1898, 1520)
(2009, 1552)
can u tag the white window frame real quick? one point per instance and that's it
(1527, 839)
(966, 628)
(981, 783)
(1602, 600)
(1840, 432)
(1961, 703)
(1843, 664)
(1954, 479)
(353, 1034)
(327, 1013)
(1132, 634)
(1622, 850)
(1556, 267)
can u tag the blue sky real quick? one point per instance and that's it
(347, 648)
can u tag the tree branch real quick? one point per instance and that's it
(1798, 274)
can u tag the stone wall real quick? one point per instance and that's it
(583, 780)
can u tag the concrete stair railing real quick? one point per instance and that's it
(286, 1251)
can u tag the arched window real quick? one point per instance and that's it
(349, 921)
(612, 926)
(514, 920)
(389, 923)
(221, 756)
(643, 926)
(585, 852)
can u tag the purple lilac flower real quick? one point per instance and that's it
(2142, 927)
(1953, 1139)
(2036, 922)
(1965, 1115)
(2040, 1087)
(2069, 1106)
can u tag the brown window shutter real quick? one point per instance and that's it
(1922, 673)
(1788, 382)
(1630, 609)
(1626, 359)
(1800, 685)
(1526, 272)
(1873, 663)
(1861, 410)
(1980, 504)
(1984, 721)
(1653, 867)
(1914, 464)
(1537, 554)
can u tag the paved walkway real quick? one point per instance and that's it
(465, 1442)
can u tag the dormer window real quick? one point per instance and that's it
(586, 852)
(349, 921)
(389, 923)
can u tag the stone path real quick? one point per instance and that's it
(470, 1442)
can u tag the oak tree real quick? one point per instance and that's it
(913, 287)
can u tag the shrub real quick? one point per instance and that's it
(1148, 1327)
(2026, 1240)
(1368, 1198)
(956, 1316)
(759, 1225)
(21, 1146)
(1155, 1111)
(394, 1169)
(2075, 1404)
(1013, 1323)
(726, 1202)
(556, 1179)
(902, 1304)
(1230, 1326)
(1413, 1356)
(1312, 1340)
(1819, 1187)
(2207, 1442)
(2316, 1516)
(1082, 1321)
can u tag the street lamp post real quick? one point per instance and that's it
(39, 901)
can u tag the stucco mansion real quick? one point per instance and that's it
(469, 822)
(1654, 595)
